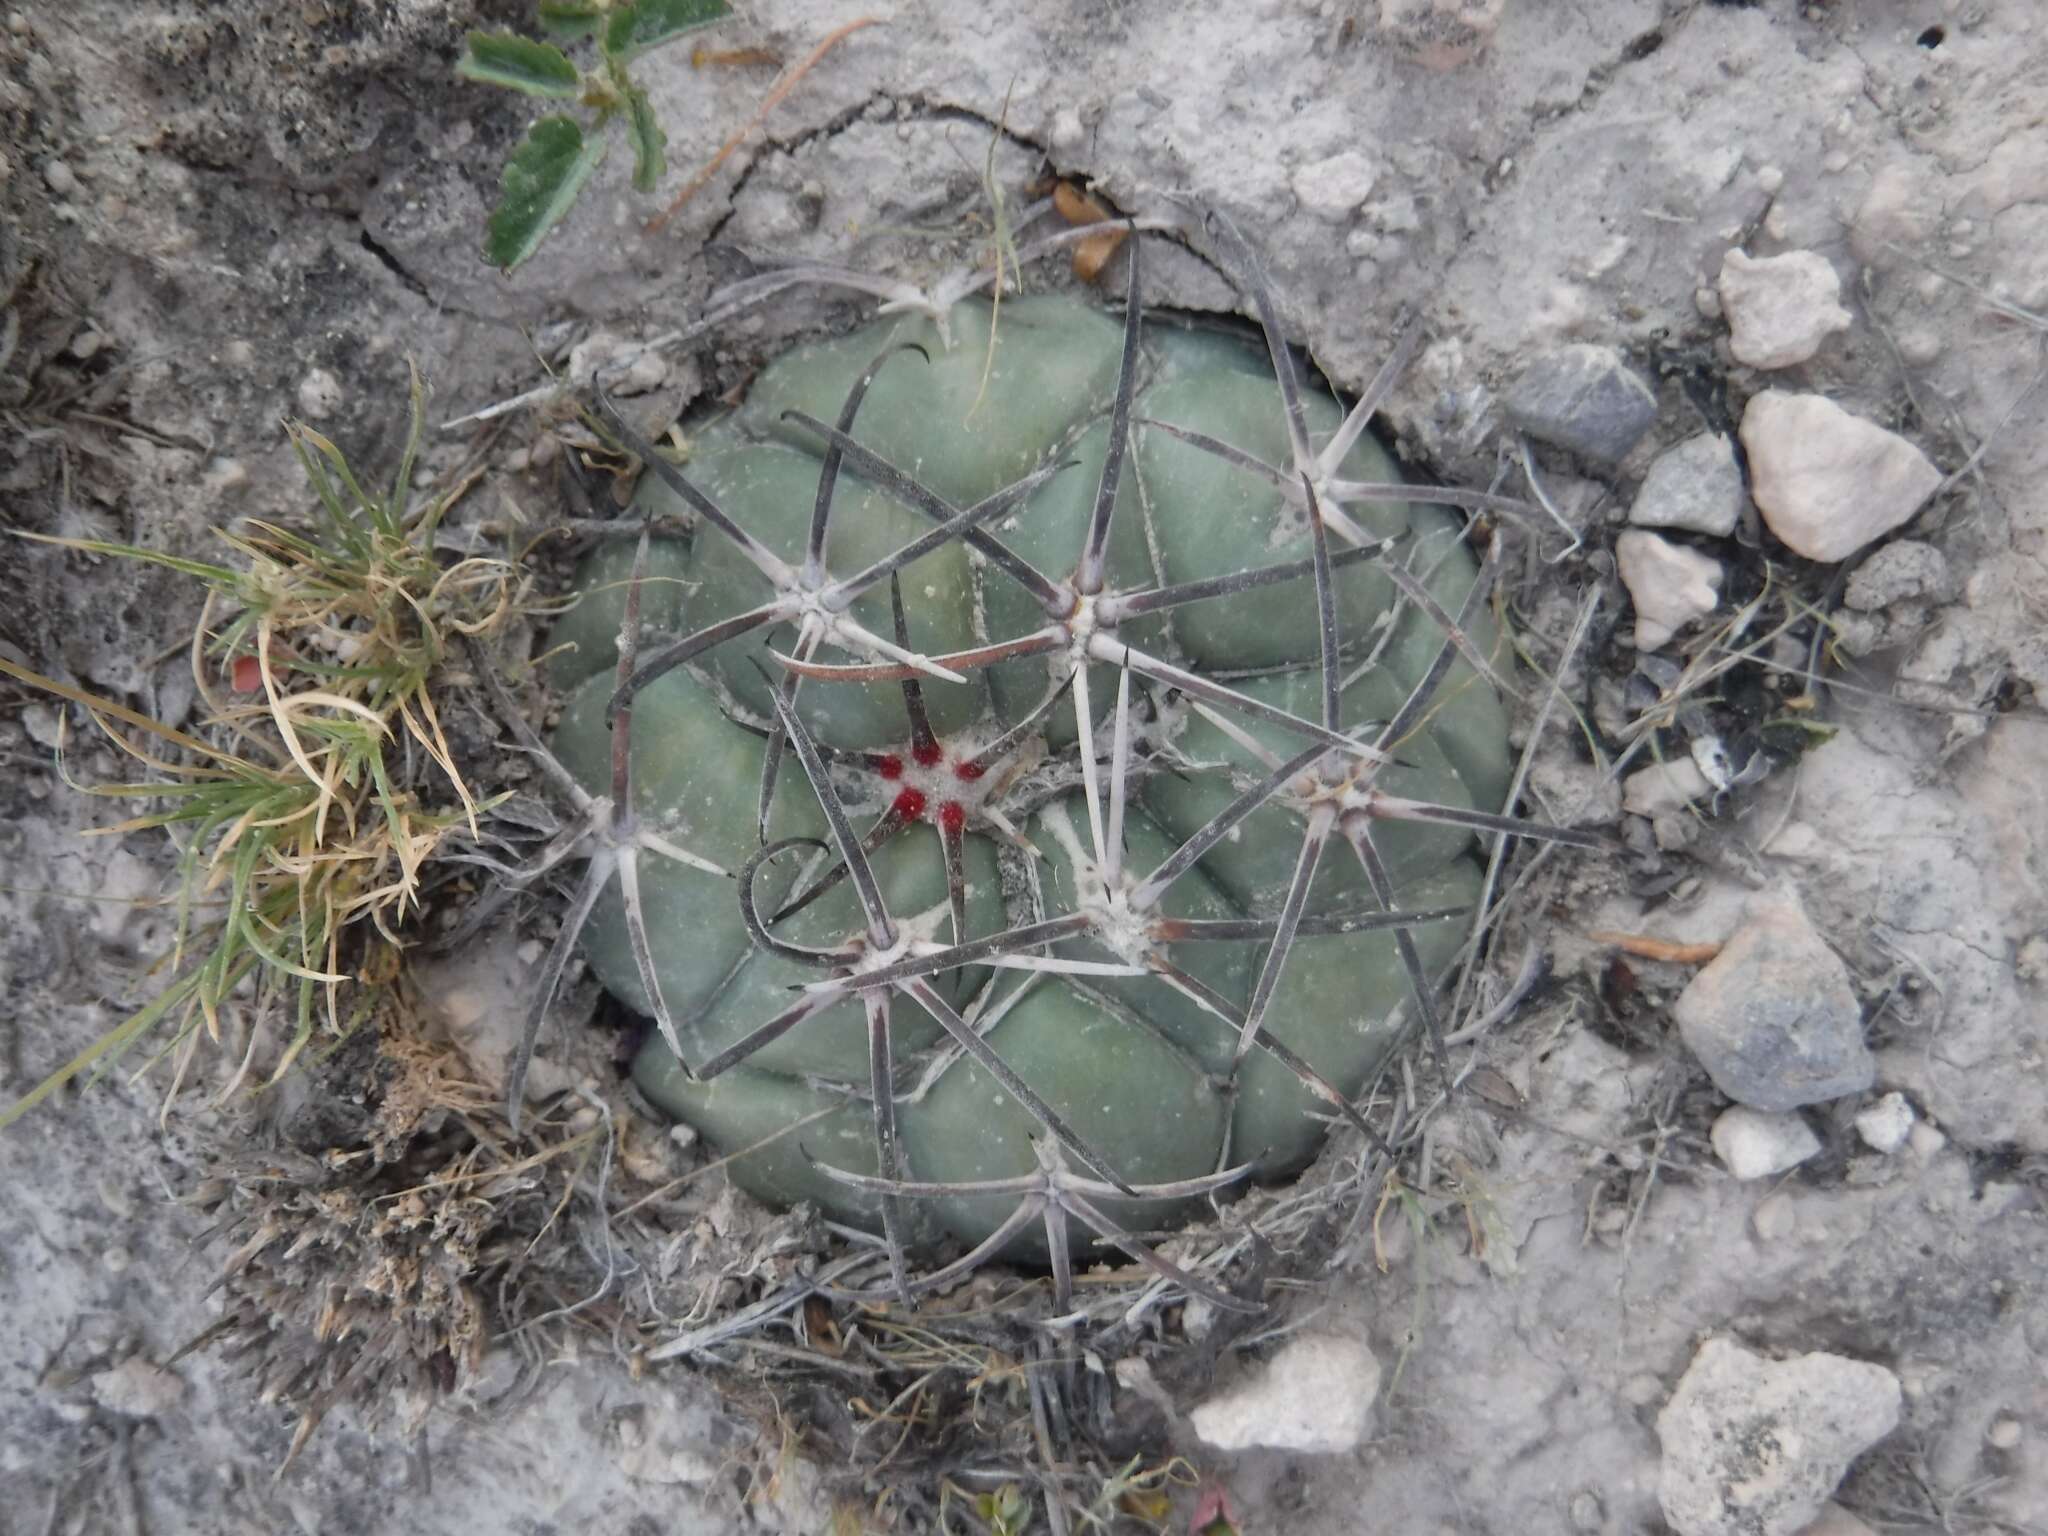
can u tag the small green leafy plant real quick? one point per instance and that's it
(559, 154)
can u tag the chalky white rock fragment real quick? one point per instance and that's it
(1886, 1125)
(1316, 1395)
(1780, 308)
(1827, 482)
(1754, 1447)
(1665, 786)
(1755, 1145)
(1669, 584)
(1332, 189)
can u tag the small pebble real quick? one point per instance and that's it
(1315, 1395)
(43, 726)
(137, 1389)
(1332, 189)
(1585, 399)
(1440, 34)
(1755, 1447)
(1773, 1018)
(59, 178)
(1886, 1125)
(2004, 1434)
(1664, 787)
(1925, 1140)
(1837, 1521)
(1827, 482)
(1780, 308)
(1696, 486)
(1669, 584)
(319, 394)
(1903, 569)
(1754, 1145)
(1774, 1218)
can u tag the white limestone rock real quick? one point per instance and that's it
(1886, 1125)
(1315, 1395)
(1755, 1145)
(1755, 1447)
(1669, 584)
(1780, 308)
(1827, 482)
(1664, 787)
(1333, 189)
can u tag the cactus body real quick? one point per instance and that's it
(1150, 1078)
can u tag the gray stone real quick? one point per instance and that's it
(1583, 398)
(1773, 1017)
(1904, 569)
(1316, 1395)
(1755, 1447)
(1827, 482)
(1669, 584)
(1696, 486)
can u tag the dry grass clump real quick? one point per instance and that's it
(376, 1270)
(305, 806)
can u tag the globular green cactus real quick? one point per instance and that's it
(1066, 772)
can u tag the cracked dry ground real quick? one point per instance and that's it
(256, 216)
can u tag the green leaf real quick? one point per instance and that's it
(570, 19)
(644, 24)
(649, 142)
(541, 180)
(539, 69)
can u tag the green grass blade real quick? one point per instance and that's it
(212, 575)
(416, 424)
(106, 1048)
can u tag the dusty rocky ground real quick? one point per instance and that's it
(217, 216)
